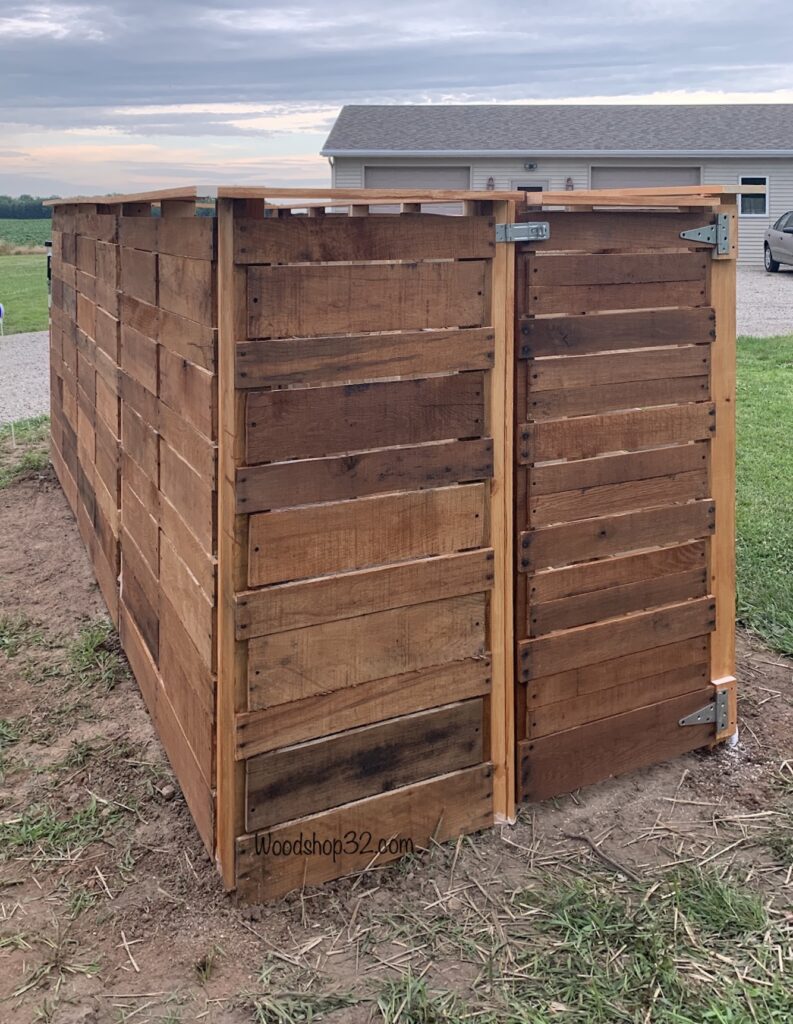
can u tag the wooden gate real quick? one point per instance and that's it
(624, 508)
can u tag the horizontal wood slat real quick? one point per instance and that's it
(325, 421)
(341, 536)
(570, 270)
(307, 481)
(344, 299)
(318, 659)
(376, 237)
(607, 231)
(281, 361)
(309, 777)
(435, 810)
(603, 332)
(587, 645)
(294, 605)
(611, 535)
(549, 405)
(594, 297)
(587, 436)
(588, 371)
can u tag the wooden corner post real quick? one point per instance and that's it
(502, 416)
(722, 472)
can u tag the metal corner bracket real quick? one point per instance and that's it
(717, 234)
(718, 711)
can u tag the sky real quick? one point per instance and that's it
(126, 96)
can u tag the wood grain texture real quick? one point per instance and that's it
(325, 713)
(187, 288)
(582, 474)
(586, 371)
(571, 270)
(196, 612)
(572, 299)
(549, 405)
(435, 810)
(296, 664)
(308, 481)
(285, 784)
(609, 230)
(376, 237)
(294, 301)
(190, 391)
(295, 605)
(341, 536)
(324, 421)
(139, 275)
(190, 494)
(277, 362)
(588, 645)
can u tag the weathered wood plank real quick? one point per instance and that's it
(606, 231)
(194, 609)
(190, 494)
(295, 301)
(325, 713)
(139, 357)
(581, 474)
(408, 818)
(610, 535)
(593, 297)
(588, 371)
(307, 481)
(296, 664)
(324, 421)
(187, 288)
(314, 776)
(294, 605)
(277, 362)
(190, 391)
(603, 332)
(549, 405)
(587, 645)
(587, 436)
(568, 270)
(139, 275)
(337, 537)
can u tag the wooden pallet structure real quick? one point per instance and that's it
(400, 524)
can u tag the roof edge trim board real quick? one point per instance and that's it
(661, 154)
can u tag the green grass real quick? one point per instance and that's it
(25, 232)
(40, 830)
(23, 292)
(765, 489)
(24, 447)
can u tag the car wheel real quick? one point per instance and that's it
(771, 264)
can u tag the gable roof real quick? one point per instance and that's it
(540, 130)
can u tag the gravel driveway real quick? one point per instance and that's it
(765, 307)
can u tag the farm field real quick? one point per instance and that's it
(23, 292)
(24, 233)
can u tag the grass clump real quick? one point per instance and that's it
(94, 655)
(40, 830)
(18, 632)
(24, 448)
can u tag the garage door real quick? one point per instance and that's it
(417, 177)
(643, 177)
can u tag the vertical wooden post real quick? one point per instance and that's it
(501, 407)
(722, 471)
(231, 553)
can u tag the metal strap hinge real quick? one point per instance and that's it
(529, 231)
(717, 711)
(717, 234)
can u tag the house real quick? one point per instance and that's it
(536, 147)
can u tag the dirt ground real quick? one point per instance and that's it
(110, 910)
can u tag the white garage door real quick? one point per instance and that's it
(417, 177)
(643, 177)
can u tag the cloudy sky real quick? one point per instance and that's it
(125, 95)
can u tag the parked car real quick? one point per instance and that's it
(779, 243)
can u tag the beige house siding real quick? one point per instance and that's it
(552, 173)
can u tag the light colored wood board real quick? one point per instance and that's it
(189, 601)
(603, 332)
(327, 713)
(198, 451)
(336, 770)
(588, 645)
(408, 818)
(140, 595)
(608, 231)
(202, 565)
(107, 264)
(86, 314)
(139, 232)
(616, 700)
(197, 792)
(603, 269)
(141, 484)
(139, 441)
(364, 357)
(86, 255)
(141, 526)
(140, 316)
(341, 536)
(552, 478)
(139, 357)
(85, 285)
(585, 503)
(189, 237)
(108, 370)
(301, 663)
(550, 405)
(139, 399)
(612, 297)
(567, 760)
(587, 436)
(615, 534)
(377, 237)
(597, 605)
(190, 391)
(308, 481)
(308, 603)
(297, 301)
(567, 686)
(139, 275)
(551, 374)
(555, 584)
(190, 494)
(187, 288)
(107, 579)
(197, 343)
(324, 421)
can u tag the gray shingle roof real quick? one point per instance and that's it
(533, 129)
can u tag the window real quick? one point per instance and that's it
(754, 206)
